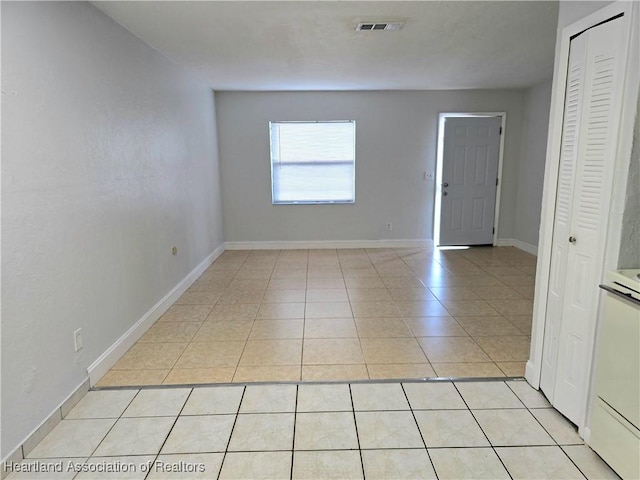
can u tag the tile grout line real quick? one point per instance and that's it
(157, 455)
(173, 366)
(557, 444)
(110, 429)
(571, 459)
(419, 431)
(235, 420)
(244, 347)
(304, 331)
(293, 440)
(210, 311)
(353, 319)
(355, 422)
(105, 435)
(482, 430)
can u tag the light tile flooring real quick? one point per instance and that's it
(351, 314)
(410, 430)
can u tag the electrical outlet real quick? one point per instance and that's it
(389, 226)
(77, 339)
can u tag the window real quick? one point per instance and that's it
(313, 162)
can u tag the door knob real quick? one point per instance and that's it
(445, 184)
(572, 239)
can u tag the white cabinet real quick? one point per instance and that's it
(615, 421)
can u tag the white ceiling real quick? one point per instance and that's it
(313, 45)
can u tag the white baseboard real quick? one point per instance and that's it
(14, 457)
(108, 359)
(42, 430)
(287, 245)
(519, 244)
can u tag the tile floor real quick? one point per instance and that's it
(299, 315)
(374, 430)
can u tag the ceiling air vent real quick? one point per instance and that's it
(370, 26)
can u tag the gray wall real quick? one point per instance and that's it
(395, 143)
(109, 159)
(537, 103)
(570, 11)
(630, 239)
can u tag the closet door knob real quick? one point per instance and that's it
(572, 239)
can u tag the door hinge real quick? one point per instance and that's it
(493, 230)
(497, 181)
(500, 132)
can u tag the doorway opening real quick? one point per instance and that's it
(467, 198)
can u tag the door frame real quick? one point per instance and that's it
(439, 165)
(631, 81)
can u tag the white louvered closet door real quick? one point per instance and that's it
(564, 205)
(585, 181)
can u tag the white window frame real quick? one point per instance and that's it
(311, 202)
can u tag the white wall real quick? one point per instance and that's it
(630, 236)
(396, 135)
(570, 11)
(537, 101)
(109, 159)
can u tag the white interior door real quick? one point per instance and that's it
(592, 107)
(563, 212)
(469, 180)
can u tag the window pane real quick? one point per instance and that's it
(313, 161)
(313, 183)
